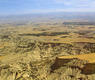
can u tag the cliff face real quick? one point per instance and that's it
(86, 67)
(89, 69)
(28, 67)
(73, 63)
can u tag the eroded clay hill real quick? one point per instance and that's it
(28, 53)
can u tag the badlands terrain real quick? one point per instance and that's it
(47, 50)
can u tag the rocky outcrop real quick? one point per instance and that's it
(85, 67)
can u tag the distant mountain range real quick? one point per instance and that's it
(64, 16)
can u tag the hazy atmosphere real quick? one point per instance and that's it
(47, 39)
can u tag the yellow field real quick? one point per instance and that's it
(88, 57)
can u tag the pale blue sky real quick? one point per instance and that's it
(45, 6)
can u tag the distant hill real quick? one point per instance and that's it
(61, 16)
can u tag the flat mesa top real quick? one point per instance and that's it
(88, 57)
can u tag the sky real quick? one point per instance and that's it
(8, 7)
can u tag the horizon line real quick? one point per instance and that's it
(13, 14)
